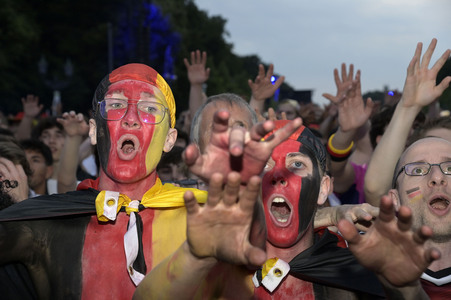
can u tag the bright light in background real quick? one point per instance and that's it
(273, 79)
(306, 40)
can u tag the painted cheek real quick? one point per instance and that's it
(414, 194)
(156, 140)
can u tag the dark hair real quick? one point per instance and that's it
(380, 120)
(40, 147)
(12, 151)
(422, 131)
(44, 124)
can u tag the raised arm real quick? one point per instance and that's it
(31, 109)
(262, 87)
(198, 74)
(76, 129)
(420, 89)
(353, 113)
(217, 231)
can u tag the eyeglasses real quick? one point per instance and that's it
(422, 169)
(148, 111)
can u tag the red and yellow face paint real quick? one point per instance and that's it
(130, 149)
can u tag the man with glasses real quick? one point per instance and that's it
(100, 241)
(422, 182)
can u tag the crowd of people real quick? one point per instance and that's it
(233, 199)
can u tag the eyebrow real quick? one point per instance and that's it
(296, 154)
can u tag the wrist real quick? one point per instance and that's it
(338, 154)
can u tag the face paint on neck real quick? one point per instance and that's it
(414, 194)
(290, 190)
(133, 147)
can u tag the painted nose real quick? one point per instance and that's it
(131, 118)
(278, 181)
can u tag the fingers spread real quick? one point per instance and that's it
(348, 231)
(251, 193)
(236, 141)
(190, 203)
(404, 218)
(232, 188)
(215, 189)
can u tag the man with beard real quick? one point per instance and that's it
(73, 244)
(294, 184)
(316, 263)
(422, 183)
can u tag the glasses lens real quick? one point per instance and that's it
(151, 112)
(113, 109)
(417, 169)
(446, 167)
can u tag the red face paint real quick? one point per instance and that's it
(281, 190)
(135, 146)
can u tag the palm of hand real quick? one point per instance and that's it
(407, 258)
(220, 232)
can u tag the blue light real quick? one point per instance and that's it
(273, 79)
(390, 93)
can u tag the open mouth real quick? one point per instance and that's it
(127, 146)
(439, 203)
(280, 210)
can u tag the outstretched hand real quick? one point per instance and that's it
(421, 88)
(31, 106)
(74, 124)
(236, 149)
(262, 87)
(197, 71)
(221, 228)
(390, 248)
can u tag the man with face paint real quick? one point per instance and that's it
(73, 244)
(305, 265)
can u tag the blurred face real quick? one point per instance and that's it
(41, 172)
(288, 109)
(290, 188)
(54, 139)
(132, 148)
(428, 196)
(239, 116)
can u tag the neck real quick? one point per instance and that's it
(41, 189)
(134, 190)
(445, 259)
(287, 254)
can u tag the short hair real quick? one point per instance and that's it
(380, 120)
(12, 151)
(229, 98)
(40, 147)
(436, 123)
(45, 124)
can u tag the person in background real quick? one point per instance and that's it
(40, 159)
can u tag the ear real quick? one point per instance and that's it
(171, 137)
(324, 189)
(394, 196)
(93, 131)
(48, 172)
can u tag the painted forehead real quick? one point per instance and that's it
(135, 90)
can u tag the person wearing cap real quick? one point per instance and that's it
(99, 241)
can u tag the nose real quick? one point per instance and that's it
(279, 180)
(131, 118)
(436, 177)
